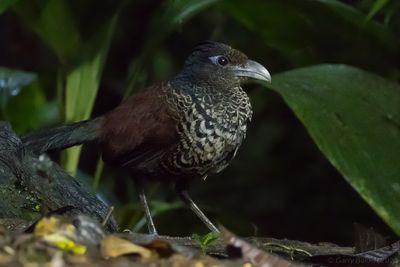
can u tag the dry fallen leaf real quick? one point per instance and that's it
(162, 247)
(198, 264)
(57, 260)
(113, 246)
(51, 225)
(59, 234)
(65, 243)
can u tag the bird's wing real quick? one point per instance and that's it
(139, 131)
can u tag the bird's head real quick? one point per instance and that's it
(212, 63)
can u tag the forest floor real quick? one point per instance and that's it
(58, 241)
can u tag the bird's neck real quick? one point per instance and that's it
(197, 85)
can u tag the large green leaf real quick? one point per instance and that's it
(22, 101)
(82, 84)
(377, 6)
(82, 62)
(307, 32)
(29, 109)
(173, 14)
(4, 4)
(363, 26)
(53, 22)
(12, 81)
(354, 118)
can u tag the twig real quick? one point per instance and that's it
(108, 216)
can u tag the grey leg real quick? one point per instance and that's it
(184, 195)
(145, 205)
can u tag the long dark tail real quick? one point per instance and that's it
(62, 136)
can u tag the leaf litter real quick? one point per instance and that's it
(58, 241)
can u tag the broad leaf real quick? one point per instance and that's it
(363, 26)
(304, 32)
(173, 14)
(29, 109)
(376, 7)
(12, 81)
(83, 82)
(4, 4)
(354, 118)
(53, 22)
(22, 101)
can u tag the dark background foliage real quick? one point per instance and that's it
(280, 185)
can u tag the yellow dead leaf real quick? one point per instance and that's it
(113, 246)
(65, 243)
(198, 264)
(50, 225)
(59, 234)
(46, 226)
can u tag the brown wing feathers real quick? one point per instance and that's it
(138, 130)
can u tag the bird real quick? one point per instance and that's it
(174, 131)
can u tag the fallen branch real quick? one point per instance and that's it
(32, 186)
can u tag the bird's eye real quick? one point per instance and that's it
(220, 60)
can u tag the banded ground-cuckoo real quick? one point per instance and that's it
(178, 130)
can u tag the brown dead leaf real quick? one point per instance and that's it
(5, 259)
(162, 247)
(178, 260)
(113, 246)
(57, 260)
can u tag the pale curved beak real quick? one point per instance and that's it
(253, 70)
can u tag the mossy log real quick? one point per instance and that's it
(33, 186)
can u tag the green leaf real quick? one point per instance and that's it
(354, 118)
(12, 81)
(82, 84)
(53, 22)
(204, 241)
(174, 14)
(376, 7)
(29, 109)
(302, 31)
(22, 101)
(371, 29)
(4, 4)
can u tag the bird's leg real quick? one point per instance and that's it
(145, 205)
(181, 189)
